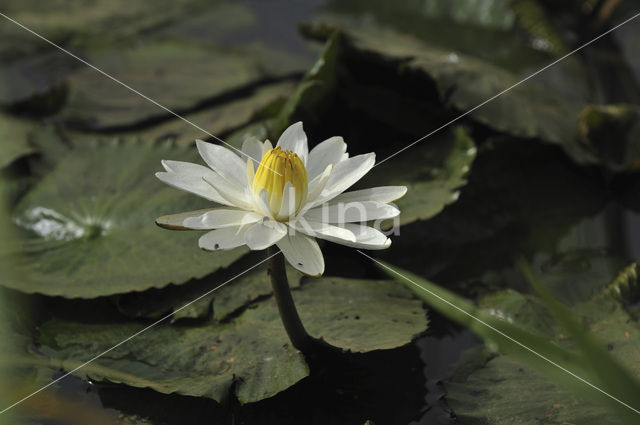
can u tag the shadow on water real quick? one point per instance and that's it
(387, 387)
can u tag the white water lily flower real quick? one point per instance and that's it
(285, 195)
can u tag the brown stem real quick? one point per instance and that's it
(288, 313)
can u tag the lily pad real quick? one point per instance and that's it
(493, 393)
(162, 70)
(89, 225)
(220, 305)
(249, 354)
(499, 392)
(433, 173)
(503, 392)
(217, 119)
(528, 110)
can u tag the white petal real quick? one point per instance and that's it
(366, 237)
(221, 217)
(233, 194)
(303, 253)
(176, 221)
(252, 148)
(261, 203)
(288, 205)
(330, 151)
(224, 162)
(251, 172)
(192, 184)
(188, 176)
(381, 194)
(294, 139)
(351, 212)
(263, 234)
(323, 230)
(317, 185)
(266, 146)
(227, 238)
(346, 173)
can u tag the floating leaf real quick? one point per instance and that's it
(249, 353)
(90, 225)
(505, 206)
(163, 71)
(217, 120)
(506, 325)
(504, 392)
(498, 392)
(433, 173)
(221, 304)
(463, 82)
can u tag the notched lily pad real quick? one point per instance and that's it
(89, 225)
(251, 352)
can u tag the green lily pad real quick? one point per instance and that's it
(500, 391)
(220, 305)
(503, 392)
(433, 173)
(497, 389)
(218, 119)
(469, 27)
(528, 110)
(249, 354)
(162, 70)
(32, 67)
(89, 225)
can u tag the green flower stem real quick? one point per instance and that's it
(288, 312)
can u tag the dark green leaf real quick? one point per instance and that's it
(249, 353)
(91, 228)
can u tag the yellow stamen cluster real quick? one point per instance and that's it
(276, 169)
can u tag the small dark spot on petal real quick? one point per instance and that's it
(216, 246)
(299, 264)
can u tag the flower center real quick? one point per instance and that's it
(283, 176)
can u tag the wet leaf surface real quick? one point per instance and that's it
(249, 354)
(87, 233)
